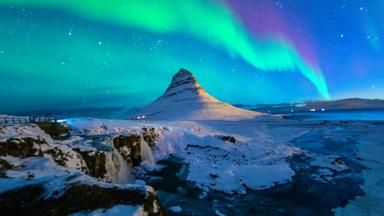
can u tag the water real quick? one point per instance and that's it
(369, 115)
(117, 168)
(123, 171)
(146, 152)
(302, 196)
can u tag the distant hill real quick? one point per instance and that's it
(335, 105)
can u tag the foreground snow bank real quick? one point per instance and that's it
(45, 176)
(216, 159)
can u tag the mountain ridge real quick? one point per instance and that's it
(186, 99)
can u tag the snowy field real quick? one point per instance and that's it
(222, 167)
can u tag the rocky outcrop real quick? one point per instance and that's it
(129, 147)
(4, 166)
(227, 138)
(151, 135)
(22, 147)
(96, 163)
(137, 147)
(78, 197)
(54, 129)
(52, 178)
(30, 141)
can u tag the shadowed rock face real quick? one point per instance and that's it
(150, 135)
(54, 128)
(129, 148)
(96, 163)
(23, 147)
(29, 200)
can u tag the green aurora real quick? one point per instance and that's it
(76, 52)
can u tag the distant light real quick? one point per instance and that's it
(312, 110)
(141, 117)
(62, 120)
(322, 109)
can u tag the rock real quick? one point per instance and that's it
(21, 147)
(227, 138)
(96, 163)
(30, 141)
(338, 161)
(77, 197)
(58, 155)
(129, 148)
(4, 166)
(151, 135)
(49, 177)
(54, 128)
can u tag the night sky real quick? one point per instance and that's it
(89, 53)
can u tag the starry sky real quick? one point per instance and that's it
(113, 53)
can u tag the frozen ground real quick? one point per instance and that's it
(262, 166)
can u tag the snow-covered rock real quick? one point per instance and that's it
(52, 177)
(186, 99)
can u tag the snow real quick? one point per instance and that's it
(328, 161)
(185, 99)
(175, 209)
(257, 160)
(114, 211)
(218, 213)
(371, 150)
(22, 131)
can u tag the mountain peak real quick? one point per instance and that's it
(186, 99)
(183, 74)
(183, 81)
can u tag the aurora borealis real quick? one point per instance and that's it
(68, 53)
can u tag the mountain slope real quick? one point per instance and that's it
(186, 99)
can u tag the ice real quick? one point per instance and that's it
(257, 160)
(175, 209)
(114, 211)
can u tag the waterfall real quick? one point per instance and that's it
(117, 168)
(146, 152)
(123, 171)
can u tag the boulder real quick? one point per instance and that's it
(54, 129)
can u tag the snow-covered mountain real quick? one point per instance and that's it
(186, 99)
